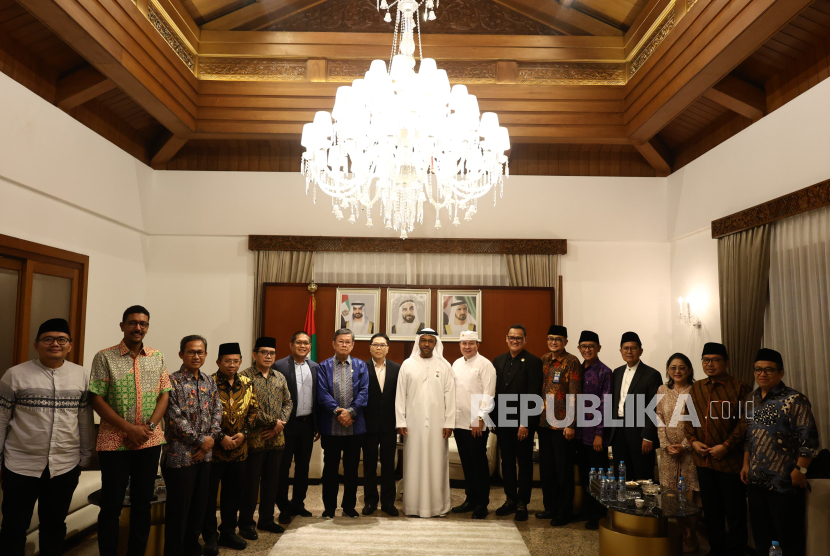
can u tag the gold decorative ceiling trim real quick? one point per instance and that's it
(568, 73)
(664, 27)
(459, 72)
(346, 70)
(252, 69)
(690, 3)
(171, 34)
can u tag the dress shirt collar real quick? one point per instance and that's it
(634, 368)
(560, 358)
(471, 359)
(348, 361)
(124, 350)
(721, 379)
(520, 355)
(296, 363)
(40, 364)
(270, 370)
(595, 366)
(381, 366)
(773, 393)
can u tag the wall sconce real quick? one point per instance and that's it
(686, 317)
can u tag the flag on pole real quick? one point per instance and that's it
(309, 328)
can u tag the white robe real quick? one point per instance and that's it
(425, 405)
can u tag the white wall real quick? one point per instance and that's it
(783, 152)
(614, 287)
(64, 186)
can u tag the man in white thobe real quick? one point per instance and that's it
(425, 415)
(475, 389)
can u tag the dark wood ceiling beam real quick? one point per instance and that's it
(128, 68)
(740, 97)
(658, 155)
(703, 48)
(561, 17)
(81, 86)
(259, 14)
(165, 147)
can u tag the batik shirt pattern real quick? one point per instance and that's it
(780, 429)
(131, 385)
(194, 412)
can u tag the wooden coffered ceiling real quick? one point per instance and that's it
(585, 87)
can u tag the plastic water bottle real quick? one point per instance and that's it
(603, 489)
(681, 486)
(622, 471)
(775, 550)
(622, 491)
(612, 489)
(592, 476)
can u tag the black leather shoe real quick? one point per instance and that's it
(463, 508)
(329, 514)
(369, 509)
(544, 515)
(302, 512)
(592, 525)
(390, 510)
(285, 518)
(211, 548)
(232, 541)
(248, 532)
(509, 507)
(351, 512)
(521, 512)
(271, 527)
(559, 522)
(480, 512)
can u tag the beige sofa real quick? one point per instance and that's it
(82, 515)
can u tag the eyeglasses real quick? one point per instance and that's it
(137, 324)
(516, 338)
(712, 361)
(587, 347)
(765, 371)
(630, 349)
(49, 340)
(379, 345)
(264, 353)
(556, 340)
(194, 353)
(232, 361)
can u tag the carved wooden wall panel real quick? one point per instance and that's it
(803, 200)
(476, 17)
(252, 69)
(571, 73)
(412, 245)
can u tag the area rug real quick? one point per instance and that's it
(376, 536)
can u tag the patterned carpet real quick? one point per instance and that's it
(402, 536)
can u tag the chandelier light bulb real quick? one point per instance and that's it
(402, 139)
(387, 18)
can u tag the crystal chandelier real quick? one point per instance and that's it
(403, 138)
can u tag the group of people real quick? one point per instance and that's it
(243, 429)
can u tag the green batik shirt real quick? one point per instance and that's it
(131, 386)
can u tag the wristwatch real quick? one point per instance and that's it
(152, 426)
(803, 470)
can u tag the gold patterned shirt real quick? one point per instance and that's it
(131, 385)
(239, 413)
(273, 404)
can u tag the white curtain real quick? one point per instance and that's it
(412, 269)
(798, 317)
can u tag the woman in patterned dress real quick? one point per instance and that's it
(676, 452)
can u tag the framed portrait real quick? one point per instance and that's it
(359, 311)
(407, 312)
(458, 310)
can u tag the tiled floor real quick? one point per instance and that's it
(540, 538)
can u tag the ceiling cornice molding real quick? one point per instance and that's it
(410, 245)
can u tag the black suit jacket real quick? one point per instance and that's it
(525, 379)
(286, 367)
(379, 413)
(646, 381)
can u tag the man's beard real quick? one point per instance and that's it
(409, 319)
(358, 316)
(461, 317)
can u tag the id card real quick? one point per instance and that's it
(556, 377)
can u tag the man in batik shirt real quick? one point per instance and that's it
(128, 388)
(266, 443)
(239, 411)
(781, 441)
(193, 419)
(562, 384)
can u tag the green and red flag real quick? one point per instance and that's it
(309, 327)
